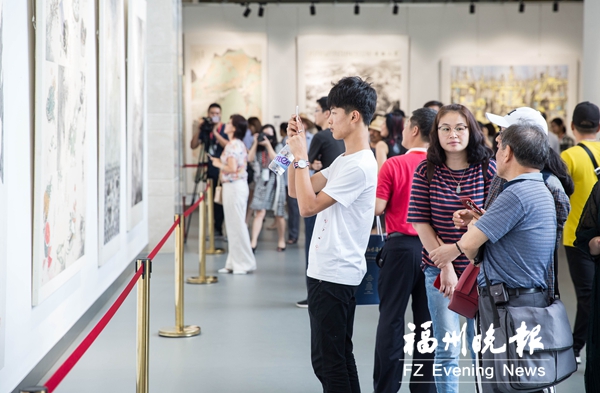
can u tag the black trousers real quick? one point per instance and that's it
(400, 278)
(582, 268)
(218, 210)
(331, 309)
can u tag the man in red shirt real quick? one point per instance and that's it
(401, 275)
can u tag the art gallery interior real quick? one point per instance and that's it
(253, 337)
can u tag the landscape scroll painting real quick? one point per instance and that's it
(136, 93)
(111, 135)
(65, 84)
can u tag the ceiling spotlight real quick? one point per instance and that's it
(247, 11)
(395, 9)
(356, 9)
(521, 6)
(472, 8)
(555, 6)
(313, 9)
(261, 10)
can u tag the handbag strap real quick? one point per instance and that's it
(587, 150)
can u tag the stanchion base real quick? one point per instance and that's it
(215, 251)
(202, 280)
(187, 331)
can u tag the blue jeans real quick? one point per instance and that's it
(445, 321)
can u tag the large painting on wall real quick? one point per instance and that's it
(64, 127)
(227, 68)
(3, 204)
(546, 84)
(381, 59)
(136, 112)
(111, 125)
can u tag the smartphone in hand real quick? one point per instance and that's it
(470, 205)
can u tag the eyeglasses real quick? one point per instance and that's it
(459, 130)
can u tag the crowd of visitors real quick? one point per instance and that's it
(536, 184)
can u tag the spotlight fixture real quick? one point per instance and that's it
(395, 9)
(521, 6)
(356, 9)
(555, 6)
(261, 10)
(247, 11)
(472, 8)
(313, 9)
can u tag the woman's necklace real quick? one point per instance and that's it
(457, 182)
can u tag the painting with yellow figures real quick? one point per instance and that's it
(500, 88)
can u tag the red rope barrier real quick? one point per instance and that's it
(194, 206)
(193, 165)
(163, 240)
(63, 370)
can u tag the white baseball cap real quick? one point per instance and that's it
(518, 115)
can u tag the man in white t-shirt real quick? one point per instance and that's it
(344, 203)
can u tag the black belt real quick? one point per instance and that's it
(397, 234)
(513, 291)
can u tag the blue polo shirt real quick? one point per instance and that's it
(521, 228)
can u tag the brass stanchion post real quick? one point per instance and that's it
(34, 389)
(211, 219)
(143, 323)
(202, 278)
(179, 330)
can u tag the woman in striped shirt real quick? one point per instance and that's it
(458, 165)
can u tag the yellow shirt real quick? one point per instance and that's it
(582, 171)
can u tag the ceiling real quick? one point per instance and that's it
(375, 1)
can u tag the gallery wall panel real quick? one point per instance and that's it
(3, 204)
(111, 127)
(136, 112)
(64, 128)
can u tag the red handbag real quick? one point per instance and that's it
(465, 299)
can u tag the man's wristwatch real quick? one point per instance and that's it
(301, 164)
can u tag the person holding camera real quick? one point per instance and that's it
(211, 134)
(269, 192)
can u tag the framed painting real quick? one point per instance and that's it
(111, 126)
(499, 85)
(382, 60)
(65, 125)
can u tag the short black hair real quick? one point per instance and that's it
(528, 142)
(354, 94)
(423, 118)
(283, 128)
(240, 124)
(214, 105)
(431, 103)
(323, 104)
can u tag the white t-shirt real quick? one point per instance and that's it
(341, 233)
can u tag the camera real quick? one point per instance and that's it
(261, 137)
(206, 129)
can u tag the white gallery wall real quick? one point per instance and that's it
(435, 32)
(31, 332)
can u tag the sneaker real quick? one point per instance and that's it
(240, 272)
(578, 359)
(302, 304)
(224, 270)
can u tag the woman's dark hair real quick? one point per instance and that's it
(557, 166)
(395, 124)
(477, 151)
(271, 138)
(254, 124)
(559, 122)
(240, 124)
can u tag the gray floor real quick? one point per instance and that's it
(253, 337)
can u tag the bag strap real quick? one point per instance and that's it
(587, 150)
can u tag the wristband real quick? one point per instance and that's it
(458, 247)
